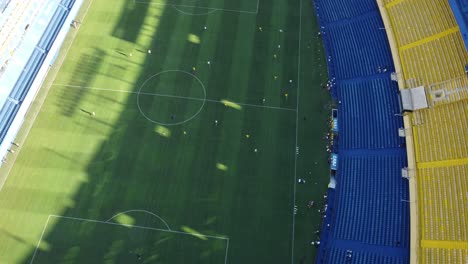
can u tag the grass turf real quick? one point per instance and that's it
(199, 177)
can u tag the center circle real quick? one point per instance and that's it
(171, 97)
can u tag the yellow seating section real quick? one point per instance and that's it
(443, 199)
(432, 54)
(414, 20)
(444, 256)
(441, 133)
(386, 2)
(433, 62)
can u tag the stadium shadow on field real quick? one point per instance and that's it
(115, 178)
(14, 237)
(134, 15)
(85, 72)
(121, 174)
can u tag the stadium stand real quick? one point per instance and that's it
(460, 11)
(3, 5)
(339, 254)
(353, 54)
(15, 27)
(29, 29)
(331, 11)
(429, 50)
(367, 218)
(441, 134)
(364, 114)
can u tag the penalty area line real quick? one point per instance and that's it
(227, 249)
(137, 226)
(40, 239)
(125, 225)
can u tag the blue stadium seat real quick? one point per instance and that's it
(369, 212)
(370, 207)
(330, 11)
(355, 47)
(338, 255)
(367, 113)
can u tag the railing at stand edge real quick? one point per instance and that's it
(414, 214)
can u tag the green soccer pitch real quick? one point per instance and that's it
(173, 131)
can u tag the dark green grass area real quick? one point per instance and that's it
(210, 148)
(127, 244)
(171, 97)
(204, 6)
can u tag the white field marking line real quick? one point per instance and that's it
(37, 112)
(139, 227)
(142, 211)
(192, 14)
(173, 96)
(200, 7)
(227, 249)
(84, 16)
(133, 226)
(40, 239)
(297, 130)
(178, 123)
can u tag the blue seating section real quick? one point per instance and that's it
(367, 113)
(355, 46)
(338, 255)
(369, 207)
(369, 212)
(331, 11)
(67, 4)
(21, 88)
(460, 11)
